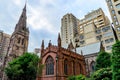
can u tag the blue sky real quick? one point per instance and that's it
(44, 16)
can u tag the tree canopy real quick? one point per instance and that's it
(103, 60)
(116, 61)
(23, 68)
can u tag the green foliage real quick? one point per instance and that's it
(116, 61)
(24, 67)
(102, 74)
(103, 60)
(71, 78)
(79, 77)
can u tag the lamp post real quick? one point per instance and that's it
(56, 66)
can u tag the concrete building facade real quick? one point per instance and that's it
(95, 27)
(68, 28)
(114, 9)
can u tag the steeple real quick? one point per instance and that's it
(21, 25)
(42, 47)
(59, 40)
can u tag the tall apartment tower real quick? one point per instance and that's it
(68, 29)
(114, 9)
(19, 39)
(95, 27)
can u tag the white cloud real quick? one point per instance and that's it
(17, 2)
(38, 20)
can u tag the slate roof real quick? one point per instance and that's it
(89, 49)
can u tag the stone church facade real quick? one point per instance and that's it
(59, 63)
(18, 41)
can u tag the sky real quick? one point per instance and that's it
(44, 16)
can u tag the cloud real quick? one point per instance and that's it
(38, 20)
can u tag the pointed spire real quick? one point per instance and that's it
(81, 52)
(42, 47)
(49, 44)
(21, 25)
(70, 46)
(59, 40)
(102, 48)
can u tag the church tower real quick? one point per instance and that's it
(19, 39)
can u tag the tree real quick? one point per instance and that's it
(102, 74)
(79, 77)
(116, 61)
(103, 60)
(24, 67)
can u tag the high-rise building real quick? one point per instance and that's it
(95, 27)
(68, 28)
(114, 9)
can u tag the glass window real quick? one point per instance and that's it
(118, 5)
(118, 28)
(119, 12)
(117, 23)
(109, 40)
(115, 0)
(82, 42)
(99, 37)
(113, 12)
(19, 40)
(92, 65)
(98, 31)
(81, 37)
(65, 67)
(49, 66)
(109, 47)
(80, 66)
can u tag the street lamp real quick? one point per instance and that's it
(56, 65)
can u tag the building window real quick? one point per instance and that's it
(117, 23)
(98, 31)
(119, 12)
(111, 6)
(65, 67)
(22, 41)
(49, 66)
(92, 66)
(118, 6)
(19, 40)
(109, 47)
(109, 40)
(113, 12)
(99, 37)
(115, 0)
(80, 66)
(73, 67)
(118, 28)
(81, 37)
(82, 42)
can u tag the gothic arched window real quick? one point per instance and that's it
(73, 67)
(49, 66)
(19, 40)
(92, 66)
(65, 67)
(80, 67)
(22, 41)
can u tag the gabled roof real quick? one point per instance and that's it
(89, 49)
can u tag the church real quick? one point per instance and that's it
(59, 63)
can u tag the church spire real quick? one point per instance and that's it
(21, 25)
